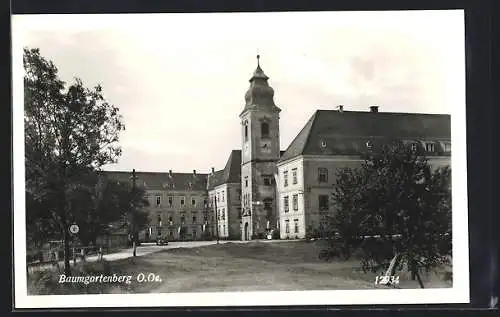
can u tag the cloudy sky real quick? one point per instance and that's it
(180, 79)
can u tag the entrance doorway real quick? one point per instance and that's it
(246, 237)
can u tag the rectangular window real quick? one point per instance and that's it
(285, 178)
(246, 181)
(158, 231)
(170, 201)
(322, 175)
(171, 233)
(296, 225)
(239, 195)
(294, 176)
(224, 229)
(194, 219)
(222, 196)
(194, 233)
(204, 202)
(287, 226)
(223, 214)
(193, 202)
(323, 202)
(264, 130)
(170, 219)
(218, 214)
(429, 147)
(158, 200)
(295, 202)
(182, 201)
(268, 204)
(267, 180)
(159, 218)
(285, 203)
(414, 147)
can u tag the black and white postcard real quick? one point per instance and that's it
(240, 159)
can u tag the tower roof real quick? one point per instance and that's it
(258, 73)
(260, 95)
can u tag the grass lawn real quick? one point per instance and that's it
(255, 266)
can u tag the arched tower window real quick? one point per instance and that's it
(246, 132)
(264, 130)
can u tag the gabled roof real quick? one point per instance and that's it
(331, 132)
(215, 179)
(231, 174)
(162, 180)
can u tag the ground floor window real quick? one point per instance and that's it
(296, 225)
(287, 226)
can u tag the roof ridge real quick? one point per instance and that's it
(149, 172)
(383, 112)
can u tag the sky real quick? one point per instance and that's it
(179, 80)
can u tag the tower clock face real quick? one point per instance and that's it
(265, 146)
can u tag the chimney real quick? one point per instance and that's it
(373, 108)
(341, 108)
(213, 170)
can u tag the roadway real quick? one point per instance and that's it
(143, 249)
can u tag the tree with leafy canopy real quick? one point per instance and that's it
(100, 201)
(394, 206)
(69, 132)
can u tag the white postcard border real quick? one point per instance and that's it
(459, 293)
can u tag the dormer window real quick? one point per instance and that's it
(264, 130)
(323, 143)
(369, 145)
(430, 147)
(414, 147)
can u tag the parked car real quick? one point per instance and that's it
(161, 241)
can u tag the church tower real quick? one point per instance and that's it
(260, 152)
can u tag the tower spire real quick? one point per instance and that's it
(258, 59)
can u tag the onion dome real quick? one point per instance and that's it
(259, 94)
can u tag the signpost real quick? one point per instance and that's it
(74, 229)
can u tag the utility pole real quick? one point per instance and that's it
(132, 220)
(216, 217)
